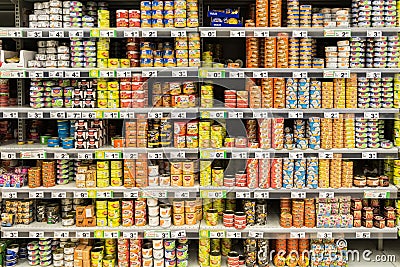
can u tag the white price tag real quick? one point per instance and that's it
(57, 115)
(260, 114)
(131, 33)
(300, 74)
(129, 155)
(159, 194)
(81, 194)
(155, 155)
(56, 34)
(295, 115)
(85, 155)
(235, 115)
(61, 234)
(131, 194)
(13, 195)
(217, 155)
(297, 235)
(178, 234)
(58, 194)
(56, 74)
(374, 33)
(341, 74)
(149, 33)
(378, 195)
(107, 73)
(182, 195)
(111, 155)
(88, 115)
(126, 115)
(104, 194)
(300, 34)
(36, 194)
(215, 194)
(111, 234)
(371, 115)
(124, 73)
(369, 155)
(178, 33)
(83, 234)
(177, 155)
(149, 73)
(233, 235)
(17, 74)
(217, 234)
(179, 73)
(261, 33)
(342, 33)
(35, 234)
(78, 33)
(262, 155)
(239, 155)
(236, 74)
(8, 155)
(260, 74)
(243, 195)
(325, 155)
(162, 235)
(214, 74)
(61, 156)
(10, 234)
(296, 155)
(326, 194)
(325, 235)
(331, 115)
(208, 33)
(217, 114)
(363, 235)
(261, 194)
(132, 235)
(74, 115)
(34, 34)
(36, 74)
(295, 194)
(373, 75)
(38, 155)
(253, 234)
(237, 34)
(14, 33)
(111, 115)
(72, 74)
(107, 33)
(178, 115)
(35, 115)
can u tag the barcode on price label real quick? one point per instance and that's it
(262, 155)
(300, 34)
(326, 194)
(8, 155)
(35, 115)
(154, 115)
(131, 33)
(331, 115)
(295, 115)
(61, 156)
(237, 34)
(10, 115)
(243, 195)
(124, 73)
(298, 194)
(178, 115)
(56, 34)
(178, 33)
(85, 156)
(149, 33)
(74, 115)
(325, 235)
(58, 194)
(81, 194)
(56, 74)
(36, 194)
(300, 74)
(261, 194)
(149, 73)
(235, 115)
(325, 155)
(155, 155)
(297, 235)
(129, 155)
(75, 33)
(111, 234)
(126, 115)
(233, 235)
(182, 195)
(363, 235)
(216, 234)
(178, 234)
(261, 33)
(61, 234)
(369, 155)
(208, 33)
(57, 115)
(239, 155)
(371, 115)
(36, 234)
(9, 195)
(88, 115)
(112, 155)
(253, 234)
(177, 155)
(126, 234)
(10, 234)
(296, 155)
(179, 73)
(72, 74)
(237, 75)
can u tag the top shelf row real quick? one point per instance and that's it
(207, 32)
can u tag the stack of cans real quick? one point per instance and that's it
(312, 173)
(287, 173)
(293, 13)
(299, 178)
(303, 93)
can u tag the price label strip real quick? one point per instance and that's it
(262, 195)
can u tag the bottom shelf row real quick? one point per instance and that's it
(182, 253)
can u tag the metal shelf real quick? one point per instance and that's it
(274, 231)
(346, 153)
(37, 151)
(56, 33)
(85, 73)
(96, 113)
(272, 193)
(343, 32)
(262, 113)
(70, 191)
(37, 229)
(190, 113)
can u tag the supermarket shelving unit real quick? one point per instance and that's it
(12, 151)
